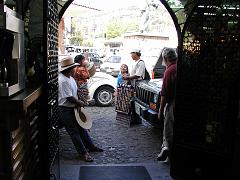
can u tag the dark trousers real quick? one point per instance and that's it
(79, 136)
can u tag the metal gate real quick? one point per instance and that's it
(51, 88)
(206, 129)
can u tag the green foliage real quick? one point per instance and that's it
(116, 28)
(76, 38)
(175, 3)
(131, 26)
(178, 8)
(87, 43)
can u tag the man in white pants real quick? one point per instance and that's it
(167, 102)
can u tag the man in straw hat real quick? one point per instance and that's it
(67, 101)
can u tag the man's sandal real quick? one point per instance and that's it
(87, 158)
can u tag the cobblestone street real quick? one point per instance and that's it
(122, 145)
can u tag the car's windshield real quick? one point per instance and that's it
(115, 59)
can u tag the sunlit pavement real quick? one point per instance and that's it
(135, 145)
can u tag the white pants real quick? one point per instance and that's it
(168, 125)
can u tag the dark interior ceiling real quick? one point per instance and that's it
(22, 5)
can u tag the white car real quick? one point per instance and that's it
(112, 65)
(101, 88)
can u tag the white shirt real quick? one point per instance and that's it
(138, 69)
(67, 87)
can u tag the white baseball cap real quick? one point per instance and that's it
(136, 51)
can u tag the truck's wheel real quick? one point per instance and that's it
(104, 96)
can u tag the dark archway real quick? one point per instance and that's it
(64, 8)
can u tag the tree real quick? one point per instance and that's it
(76, 38)
(116, 28)
(174, 2)
(87, 43)
(131, 26)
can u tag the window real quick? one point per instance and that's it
(115, 59)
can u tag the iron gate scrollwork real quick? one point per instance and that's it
(52, 85)
(208, 92)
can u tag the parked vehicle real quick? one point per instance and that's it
(159, 69)
(147, 101)
(112, 65)
(79, 49)
(101, 88)
(95, 58)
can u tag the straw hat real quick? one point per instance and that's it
(82, 115)
(66, 63)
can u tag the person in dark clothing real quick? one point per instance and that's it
(67, 101)
(167, 101)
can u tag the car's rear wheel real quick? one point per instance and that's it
(104, 96)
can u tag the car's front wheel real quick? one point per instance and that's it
(104, 96)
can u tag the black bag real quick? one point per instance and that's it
(147, 75)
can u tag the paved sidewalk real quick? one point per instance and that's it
(138, 144)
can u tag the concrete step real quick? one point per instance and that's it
(157, 170)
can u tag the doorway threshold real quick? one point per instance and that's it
(155, 171)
